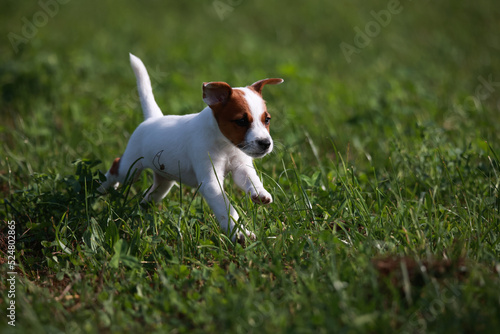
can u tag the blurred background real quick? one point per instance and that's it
(359, 75)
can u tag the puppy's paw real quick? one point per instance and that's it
(241, 237)
(261, 197)
(104, 186)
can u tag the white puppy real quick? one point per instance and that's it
(200, 149)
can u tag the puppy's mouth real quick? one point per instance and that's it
(256, 148)
(256, 155)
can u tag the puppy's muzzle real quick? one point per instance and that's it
(257, 148)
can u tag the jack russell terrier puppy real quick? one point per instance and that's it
(200, 149)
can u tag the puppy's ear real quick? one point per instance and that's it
(257, 86)
(216, 93)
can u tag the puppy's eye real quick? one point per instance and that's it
(242, 122)
(267, 121)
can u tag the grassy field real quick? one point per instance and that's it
(385, 175)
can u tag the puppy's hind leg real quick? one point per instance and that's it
(112, 177)
(122, 170)
(161, 187)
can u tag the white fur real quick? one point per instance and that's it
(191, 149)
(257, 130)
(148, 103)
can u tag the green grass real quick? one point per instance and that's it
(385, 176)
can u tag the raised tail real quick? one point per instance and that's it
(149, 106)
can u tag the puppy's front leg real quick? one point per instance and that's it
(246, 178)
(223, 210)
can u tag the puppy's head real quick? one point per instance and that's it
(242, 115)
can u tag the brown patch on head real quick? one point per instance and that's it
(266, 119)
(257, 87)
(233, 116)
(114, 168)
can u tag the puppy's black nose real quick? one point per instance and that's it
(264, 143)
